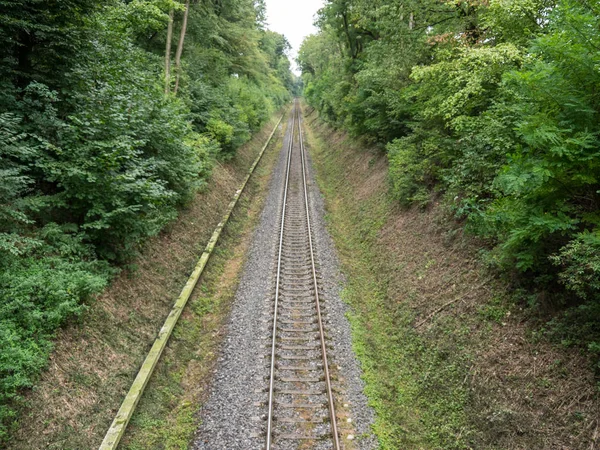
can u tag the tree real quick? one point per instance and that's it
(168, 52)
(180, 45)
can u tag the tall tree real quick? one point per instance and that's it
(168, 52)
(180, 45)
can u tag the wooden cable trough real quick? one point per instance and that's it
(120, 422)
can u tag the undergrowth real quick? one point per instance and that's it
(414, 386)
(167, 414)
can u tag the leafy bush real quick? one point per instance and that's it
(414, 167)
(40, 288)
(463, 83)
(580, 263)
(95, 157)
(494, 104)
(548, 190)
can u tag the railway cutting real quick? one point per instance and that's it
(301, 404)
(287, 378)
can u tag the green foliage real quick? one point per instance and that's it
(516, 21)
(220, 131)
(238, 73)
(95, 158)
(580, 263)
(37, 39)
(414, 167)
(549, 188)
(493, 104)
(14, 182)
(127, 165)
(40, 288)
(462, 83)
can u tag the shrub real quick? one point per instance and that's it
(414, 168)
(221, 132)
(580, 264)
(40, 289)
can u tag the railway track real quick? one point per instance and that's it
(301, 408)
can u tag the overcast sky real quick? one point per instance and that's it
(294, 19)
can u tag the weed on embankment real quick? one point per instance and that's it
(449, 361)
(96, 359)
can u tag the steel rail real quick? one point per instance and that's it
(274, 339)
(313, 275)
(334, 431)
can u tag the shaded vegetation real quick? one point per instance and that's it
(449, 360)
(98, 149)
(492, 106)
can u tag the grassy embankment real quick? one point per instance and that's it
(450, 362)
(96, 359)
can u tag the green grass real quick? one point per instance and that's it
(416, 387)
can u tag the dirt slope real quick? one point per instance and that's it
(95, 360)
(449, 360)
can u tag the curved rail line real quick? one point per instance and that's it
(301, 409)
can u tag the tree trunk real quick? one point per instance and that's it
(180, 45)
(168, 53)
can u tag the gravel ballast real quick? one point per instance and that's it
(232, 418)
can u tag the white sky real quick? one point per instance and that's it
(294, 19)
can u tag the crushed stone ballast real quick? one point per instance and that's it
(286, 376)
(120, 422)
